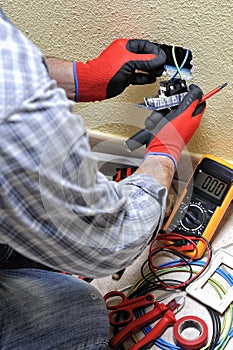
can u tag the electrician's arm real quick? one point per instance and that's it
(62, 71)
(124, 62)
(160, 168)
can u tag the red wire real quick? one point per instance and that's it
(174, 236)
(168, 237)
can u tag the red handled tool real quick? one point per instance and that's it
(212, 92)
(122, 307)
(144, 136)
(167, 314)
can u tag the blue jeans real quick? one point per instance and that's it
(46, 310)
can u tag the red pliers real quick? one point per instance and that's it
(167, 314)
(121, 308)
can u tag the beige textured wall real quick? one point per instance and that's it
(80, 30)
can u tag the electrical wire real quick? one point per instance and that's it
(216, 343)
(215, 315)
(178, 69)
(216, 328)
(186, 241)
(182, 64)
(164, 283)
(151, 280)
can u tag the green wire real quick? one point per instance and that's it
(215, 285)
(175, 61)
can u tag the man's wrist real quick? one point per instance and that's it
(62, 72)
(163, 154)
(159, 167)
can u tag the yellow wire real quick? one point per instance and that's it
(214, 284)
(175, 61)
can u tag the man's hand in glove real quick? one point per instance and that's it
(124, 62)
(172, 131)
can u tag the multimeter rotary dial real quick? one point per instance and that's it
(202, 204)
(194, 217)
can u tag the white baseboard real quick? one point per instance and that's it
(110, 150)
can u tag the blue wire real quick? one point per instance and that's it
(227, 276)
(163, 344)
(182, 64)
(231, 333)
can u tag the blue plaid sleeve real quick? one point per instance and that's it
(56, 206)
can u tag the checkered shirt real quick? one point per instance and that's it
(56, 207)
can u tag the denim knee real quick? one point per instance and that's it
(44, 310)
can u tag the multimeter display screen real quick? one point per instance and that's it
(210, 184)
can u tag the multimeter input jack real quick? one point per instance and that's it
(203, 202)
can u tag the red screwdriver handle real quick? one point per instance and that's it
(137, 324)
(167, 320)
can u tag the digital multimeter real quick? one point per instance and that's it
(203, 202)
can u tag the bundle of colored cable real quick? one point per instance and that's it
(178, 69)
(177, 244)
(222, 332)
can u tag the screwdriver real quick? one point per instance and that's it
(143, 137)
(212, 92)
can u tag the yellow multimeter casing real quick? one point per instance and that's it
(203, 202)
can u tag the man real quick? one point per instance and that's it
(57, 211)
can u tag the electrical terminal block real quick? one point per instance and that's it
(172, 87)
(158, 103)
(171, 93)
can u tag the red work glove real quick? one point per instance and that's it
(178, 126)
(115, 69)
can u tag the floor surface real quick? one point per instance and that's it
(223, 239)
